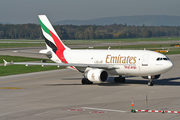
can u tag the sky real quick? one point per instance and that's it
(26, 11)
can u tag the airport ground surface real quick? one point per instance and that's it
(59, 95)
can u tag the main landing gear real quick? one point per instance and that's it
(150, 83)
(119, 79)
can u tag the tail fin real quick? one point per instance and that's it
(53, 42)
(52, 39)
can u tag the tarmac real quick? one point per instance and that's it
(59, 95)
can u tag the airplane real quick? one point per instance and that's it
(98, 65)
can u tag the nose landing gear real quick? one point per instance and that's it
(150, 83)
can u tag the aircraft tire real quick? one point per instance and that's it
(150, 83)
(116, 80)
(86, 81)
(119, 80)
(123, 79)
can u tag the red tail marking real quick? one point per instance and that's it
(58, 43)
(60, 47)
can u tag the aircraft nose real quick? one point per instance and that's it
(169, 65)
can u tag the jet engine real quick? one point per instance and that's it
(96, 75)
(153, 76)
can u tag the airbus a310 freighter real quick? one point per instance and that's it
(98, 65)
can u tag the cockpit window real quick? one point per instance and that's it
(159, 58)
(167, 58)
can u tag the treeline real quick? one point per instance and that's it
(33, 31)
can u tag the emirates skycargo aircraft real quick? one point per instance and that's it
(97, 65)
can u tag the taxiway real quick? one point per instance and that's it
(59, 95)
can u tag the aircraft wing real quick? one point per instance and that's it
(104, 66)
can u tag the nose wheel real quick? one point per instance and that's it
(150, 83)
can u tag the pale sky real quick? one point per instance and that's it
(26, 11)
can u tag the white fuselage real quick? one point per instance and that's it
(128, 62)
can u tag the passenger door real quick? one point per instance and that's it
(145, 60)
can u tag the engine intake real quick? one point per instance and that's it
(97, 75)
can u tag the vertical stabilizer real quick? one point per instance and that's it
(53, 42)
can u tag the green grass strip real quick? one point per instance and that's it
(19, 69)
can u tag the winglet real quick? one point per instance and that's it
(7, 63)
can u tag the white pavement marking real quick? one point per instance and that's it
(43, 113)
(103, 109)
(15, 112)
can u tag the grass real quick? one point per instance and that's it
(16, 45)
(19, 69)
(118, 40)
(153, 47)
(17, 58)
(21, 40)
(138, 47)
(7, 43)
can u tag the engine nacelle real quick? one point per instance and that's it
(96, 75)
(154, 76)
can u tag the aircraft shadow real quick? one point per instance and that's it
(167, 81)
(99, 84)
(72, 79)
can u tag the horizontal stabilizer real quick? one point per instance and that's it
(7, 63)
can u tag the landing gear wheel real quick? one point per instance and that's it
(86, 81)
(123, 79)
(150, 83)
(119, 80)
(116, 79)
